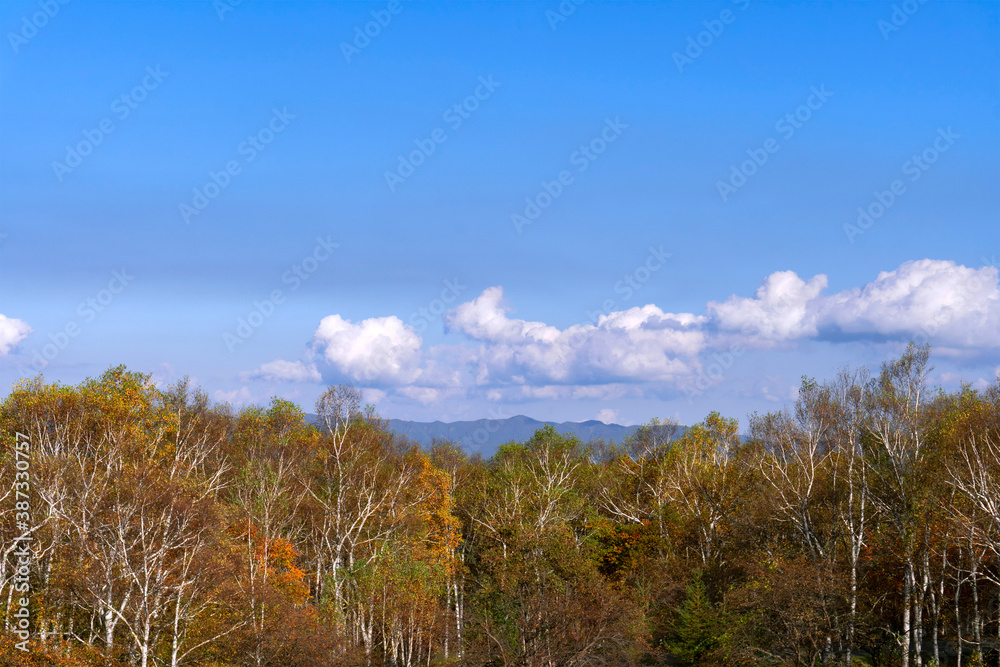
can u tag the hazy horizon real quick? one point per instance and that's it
(570, 211)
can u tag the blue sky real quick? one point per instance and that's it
(569, 211)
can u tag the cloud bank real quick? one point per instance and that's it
(947, 304)
(12, 332)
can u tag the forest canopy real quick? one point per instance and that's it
(151, 526)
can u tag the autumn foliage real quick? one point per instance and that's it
(859, 526)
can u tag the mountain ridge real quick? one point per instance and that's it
(486, 435)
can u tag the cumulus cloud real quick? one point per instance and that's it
(423, 395)
(374, 395)
(607, 415)
(485, 318)
(941, 301)
(784, 307)
(280, 370)
(12, 332)
(379, 349)
(642, 343)
(945, 301)
(236, 397)
(507, 358)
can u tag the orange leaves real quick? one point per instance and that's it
(287, 576)
(622, 547)
(434, 510)
(278, 560)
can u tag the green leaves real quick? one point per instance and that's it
(278, 542)
(699, 629)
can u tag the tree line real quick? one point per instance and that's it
(859, 526)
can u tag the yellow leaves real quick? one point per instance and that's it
(278, 558)
(434, 509)
(288, 577)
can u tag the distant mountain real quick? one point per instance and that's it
(485, 435)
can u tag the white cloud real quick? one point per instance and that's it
(12, 332)
(604, 392)
(236, 397)
(521, 392)
(607, 415)
(485, 318)
(784, 307)
(949, 378)
(948, 302)
(374, 396)
(165, 375)
(506, 358)
(641, 343)
(423, 395)
(380, 349)
(280, 370)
